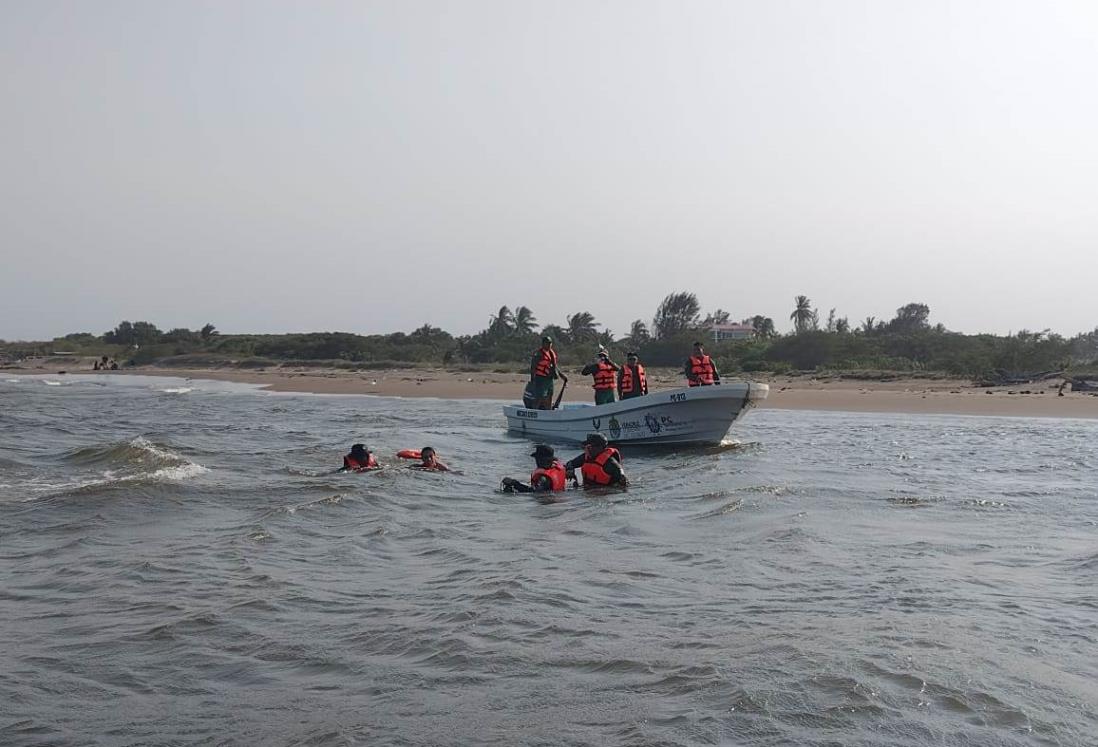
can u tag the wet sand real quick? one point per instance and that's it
(791, 393)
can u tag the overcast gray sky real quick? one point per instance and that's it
(371, 166)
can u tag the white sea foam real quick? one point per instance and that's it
(177, 390)
(47, 382)
(182, 472)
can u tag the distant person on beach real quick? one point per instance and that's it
(700, 369)
(632, 381)
(600, 463)
(603, 371)
(96, 366)
(543, 370)
(114, 365)
(549, 476)
(359, 460)
(428, 459)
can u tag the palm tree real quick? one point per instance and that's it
(869, 325)
(763, 326)
(638, 333)
(802, 314)
(557, 332)
(582, 327)
(678, 312)
(525, 321)
(502, 322)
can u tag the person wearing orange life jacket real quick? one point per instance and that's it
(428, 459)
(632, 381)
(359, 460)
(543, 370)
(700, 369)
(600, 463)
(548, 477)
(603, 371)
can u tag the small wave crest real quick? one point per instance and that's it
(137, 452)
(98, 467)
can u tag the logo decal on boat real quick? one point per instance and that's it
(531, 414)
(615, 427)
(596, 423)
(653, 423)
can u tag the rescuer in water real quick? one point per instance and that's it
(549, 475)
(600, 463)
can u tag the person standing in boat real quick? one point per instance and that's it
(700, 369)
(603, 371)
(543, 370)
(631, 379)
(548, 477)
(600, 463)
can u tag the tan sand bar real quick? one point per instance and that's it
(790, 393)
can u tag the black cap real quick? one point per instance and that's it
(547, 338)
(595, 439)
(541, 450)
(697, 343)
(359, 447)
(631, 354)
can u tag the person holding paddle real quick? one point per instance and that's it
(543, 370)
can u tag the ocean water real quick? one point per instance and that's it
(179, 565)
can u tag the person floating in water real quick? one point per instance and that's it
(359, 460)
(428, 459)
(600, 463)
(548, 477)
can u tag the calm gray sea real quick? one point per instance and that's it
(178, 566)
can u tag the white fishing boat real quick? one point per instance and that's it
(688, 415)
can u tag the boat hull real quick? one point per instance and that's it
(688, 415)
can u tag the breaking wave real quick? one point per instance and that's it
(126, 463)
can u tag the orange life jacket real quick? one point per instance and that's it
(355, 465)
(628, 382)
(702, 369)
(547, 363)
(556, 474)
(604, 376)
(593, 469)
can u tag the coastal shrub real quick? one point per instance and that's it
(256, 363)
(195, 360)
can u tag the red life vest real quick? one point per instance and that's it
(604, 376)
(701, 368)
(628, 382)
(354, 465)
(546, 363)
(555, 473)
(593, 469)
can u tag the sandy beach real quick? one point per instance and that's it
(944, 396)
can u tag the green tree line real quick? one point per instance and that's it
(907, 343)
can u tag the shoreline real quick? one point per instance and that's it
(912, 396)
